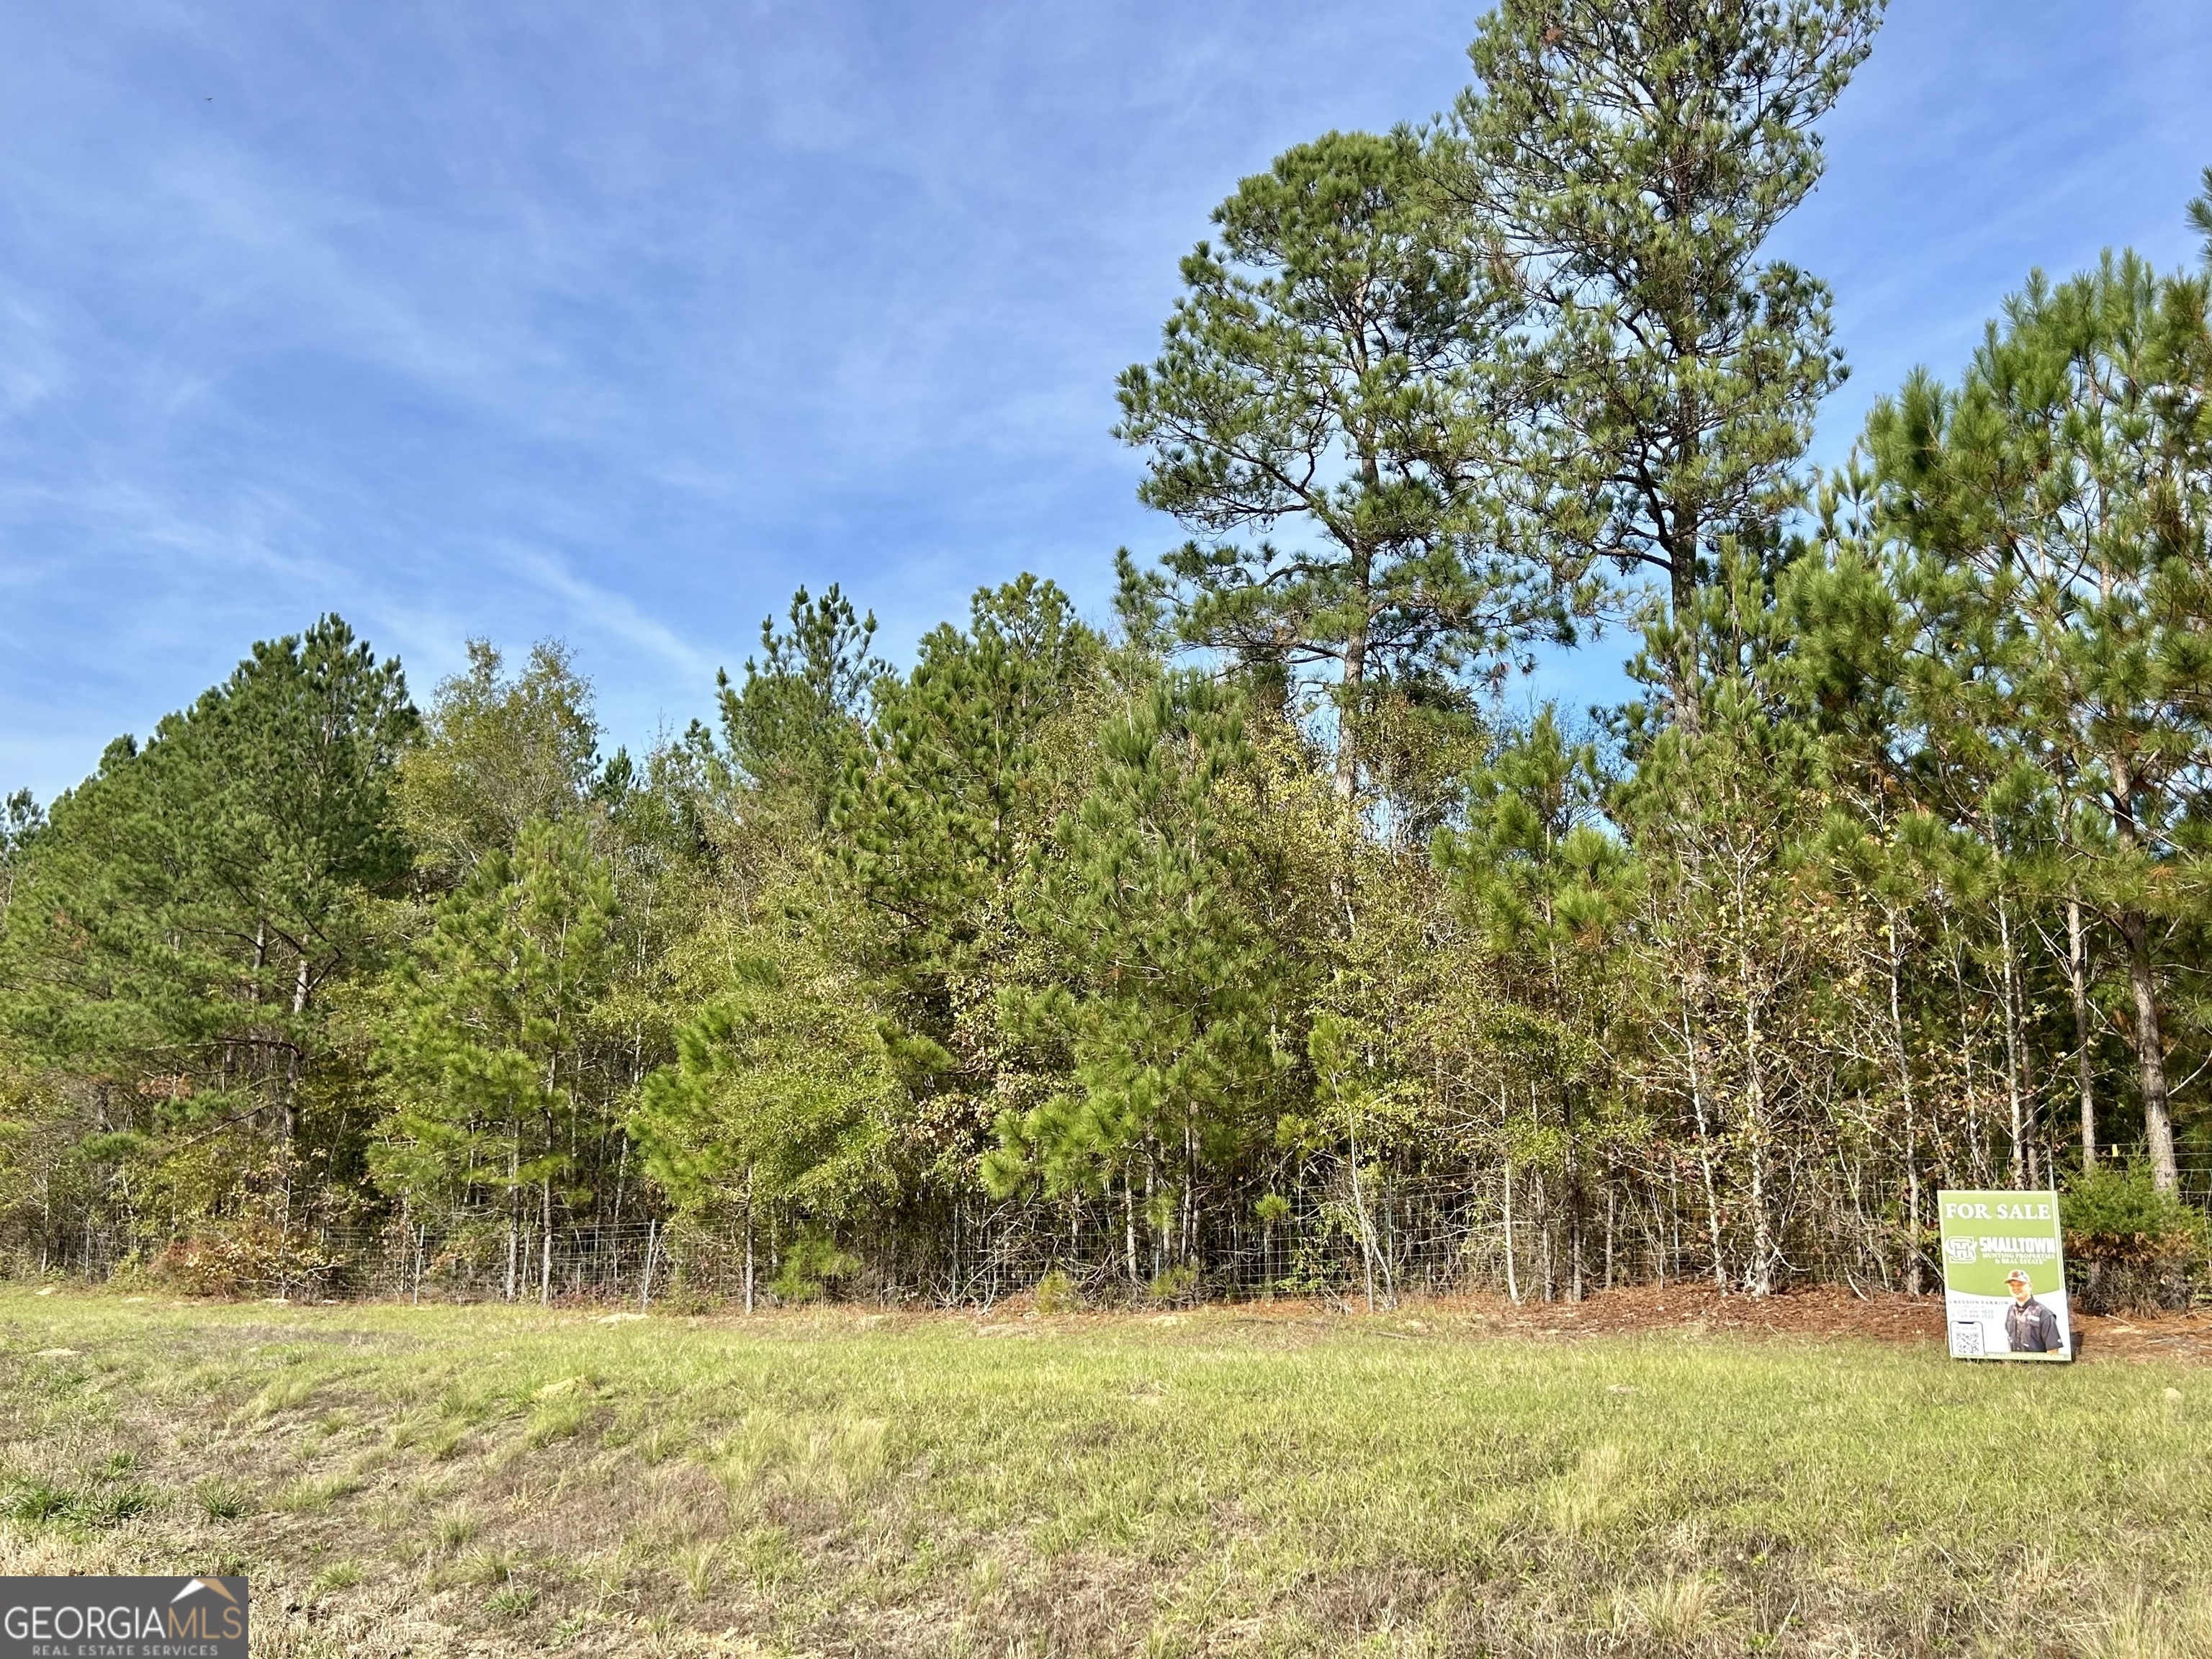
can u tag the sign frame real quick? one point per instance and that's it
(2003, 1255)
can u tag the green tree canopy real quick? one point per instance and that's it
(1161, 988)
(495, 1066)
(1628, 159)
(189, 905)
(1329, 371)
(2058, 509)
(501, 751)
(797, 722)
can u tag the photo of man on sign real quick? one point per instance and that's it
(2030, 1328)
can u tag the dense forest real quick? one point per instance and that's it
(1266, 934)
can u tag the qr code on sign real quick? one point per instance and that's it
(1966, 1338)
(1959, 1249)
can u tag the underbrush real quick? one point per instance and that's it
(241, 1257)
(2131, 1248)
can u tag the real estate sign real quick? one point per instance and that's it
(2004, 1281)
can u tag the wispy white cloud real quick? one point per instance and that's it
(603, 613)
(617, 324)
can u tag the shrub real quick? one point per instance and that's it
(1057, 1293)
(2129, 1244)
(812, 1265)
(244, 1258)
(1173, 1288)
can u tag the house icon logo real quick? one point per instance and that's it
(194, 1586)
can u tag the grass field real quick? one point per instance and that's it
(487, 1481)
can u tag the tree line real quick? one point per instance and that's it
(1891, 874)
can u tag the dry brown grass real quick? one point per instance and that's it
(487, 1483)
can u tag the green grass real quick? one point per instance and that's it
(1208, 1483)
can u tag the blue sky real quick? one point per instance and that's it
(616, 322)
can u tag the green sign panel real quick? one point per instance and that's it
(2004, 1281)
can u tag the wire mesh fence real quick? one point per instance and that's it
(1347, 1234)
(1341, 1233)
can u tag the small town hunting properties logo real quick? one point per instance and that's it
(1964, 1251)
(123, 1619)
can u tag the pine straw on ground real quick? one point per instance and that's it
(1826, 1313)
(1657, 1471)
(1690, 1311)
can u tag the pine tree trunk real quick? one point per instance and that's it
(1977, 1163)
(1355, 679)
(1546, 1266)
(1366, 1228)
(1683, 678)
(1512, 1276)
(1152, 1224)
(1765, 1248)
(1190, 1244)
(1704, 1153)
(1674, 1219)
(1609, 1222)
(1911, 1127)
(2150, 1053)
(1129, 1224)
(1574, 1224)
(1386, 1247)
(2077, 974)
(545, 1268)
(289, 1128)
(2016, 1163)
